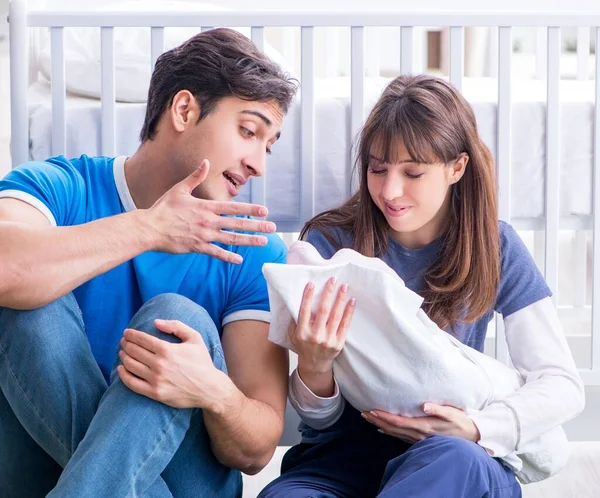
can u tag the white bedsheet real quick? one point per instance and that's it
(332, 139)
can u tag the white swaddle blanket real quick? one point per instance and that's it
(395, 358)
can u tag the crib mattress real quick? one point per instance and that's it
(332, 141)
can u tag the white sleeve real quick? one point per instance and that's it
(318, 413)
(553, 392)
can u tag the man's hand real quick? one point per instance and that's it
(184, 223)
(180, 375)
(440, 420)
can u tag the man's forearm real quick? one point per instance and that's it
(42, 264)
(244, 432)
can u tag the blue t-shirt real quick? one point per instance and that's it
(76, 191)
(521, 284)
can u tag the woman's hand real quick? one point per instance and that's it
(439, 420)
(319, 338)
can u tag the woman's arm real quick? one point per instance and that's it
(317, 412)
(553, 392)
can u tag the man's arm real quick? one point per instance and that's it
(247, 426)
(41, 263)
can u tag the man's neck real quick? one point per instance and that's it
(148, 175)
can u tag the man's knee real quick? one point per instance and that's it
(172, 306)
(47, 327)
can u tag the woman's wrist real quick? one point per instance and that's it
(318, 380)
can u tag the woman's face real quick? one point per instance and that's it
(413, 197)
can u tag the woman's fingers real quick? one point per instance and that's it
(305, 309)
(337, 311)
(324, 308)
(344, 326)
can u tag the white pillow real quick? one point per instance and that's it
(395, 358)
(132, 51)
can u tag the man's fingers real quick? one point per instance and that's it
(196, 178)
(146, 341)
(239, 239)
(220, 253)
(134, 383)
(137, 352)
(239, 208)
(178, 329)
(134, 366)
(246, 225)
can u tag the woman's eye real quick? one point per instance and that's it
(247, 132)
(376, 171)
(414, 176)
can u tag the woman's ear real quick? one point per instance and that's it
(184, 110)
(457, 169)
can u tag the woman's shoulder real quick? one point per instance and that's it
(329, 240)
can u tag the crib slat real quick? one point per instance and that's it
(457, 56)
(258, 193)
(552, 160)
(107, 57)
(504, 122)
(580, 257)
(357, 95)
(406, 50)
(19, 68)
(504, 162)
(596, 210)
(157, 43)
(540, 52)
(59, 89)
(307, 124)
(583, 53)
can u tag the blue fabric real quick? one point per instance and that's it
(81, 190)
(53, 394)
(365, 464)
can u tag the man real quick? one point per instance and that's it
(100, 254)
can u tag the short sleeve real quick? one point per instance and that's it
(521, 282)
(248, 296)
(51, 187)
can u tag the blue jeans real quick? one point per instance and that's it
(367, 464)
(63, 431)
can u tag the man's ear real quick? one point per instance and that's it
(458, 167)
(184, 110)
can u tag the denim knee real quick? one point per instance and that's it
(51, 326)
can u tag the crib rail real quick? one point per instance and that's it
(549, 38)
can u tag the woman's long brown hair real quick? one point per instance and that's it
(435, 124)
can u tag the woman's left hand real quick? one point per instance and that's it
(439, 420)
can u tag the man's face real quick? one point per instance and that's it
(236, 138)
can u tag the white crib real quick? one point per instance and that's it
(314, 156)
